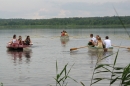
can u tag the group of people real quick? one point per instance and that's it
(64, 33)
(27, 41)
(98, 42)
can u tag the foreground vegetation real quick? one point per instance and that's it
(114, 73)
(76, 22)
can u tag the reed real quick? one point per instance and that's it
(98, 67)
(1, 84)
(62, 77)
(122, 23)
(121, 74)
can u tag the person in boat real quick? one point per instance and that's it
(14, 40)
(28, 41)
(62, 34)
(20, 40)
(97, 36)
(66, 34)
(99, 43)
(107, 42)
(92, 42)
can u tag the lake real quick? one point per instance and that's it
(37, 67)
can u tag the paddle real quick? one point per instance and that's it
(121, 47)
(77, 48)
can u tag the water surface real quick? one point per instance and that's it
(36, 67)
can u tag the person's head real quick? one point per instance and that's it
(97, 36)
(14, 36)
(99, 39)
(107, 37)
(28, 37)
(91, 35)
(20, 37)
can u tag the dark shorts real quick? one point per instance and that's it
(90, 44)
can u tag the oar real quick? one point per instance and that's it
(77, 48)
(121, 47)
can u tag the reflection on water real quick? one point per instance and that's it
(93, 57)
(17, 55)
(64, 42)
(101, 56)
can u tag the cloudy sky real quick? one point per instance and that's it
(45, 9)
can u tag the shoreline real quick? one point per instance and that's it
(63, 26)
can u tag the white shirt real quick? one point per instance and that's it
(94, 39)
(14, 40)
(107, 43)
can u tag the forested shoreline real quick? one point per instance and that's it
(84, 22)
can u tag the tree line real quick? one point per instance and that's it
(113, 20)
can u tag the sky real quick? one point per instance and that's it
(46, 9)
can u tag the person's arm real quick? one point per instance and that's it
(93, 43)
(96, 43)
(110, 43)
(10, 41)
(17, 41)
(104, 42)
(30, 41)
(25, 41)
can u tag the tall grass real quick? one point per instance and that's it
(121, 74)
(122, 23)
(62, 77)
(1, 84)
(115, 73)
(97, 67)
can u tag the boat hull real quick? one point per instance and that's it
(64, 37)
(16, 46)
(99, 49)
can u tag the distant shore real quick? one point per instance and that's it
(74, 22)
(63, 26)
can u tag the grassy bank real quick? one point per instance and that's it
(63, 26)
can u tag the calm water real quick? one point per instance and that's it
(36, 67)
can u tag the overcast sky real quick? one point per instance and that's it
(44, 9)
